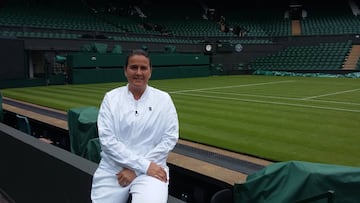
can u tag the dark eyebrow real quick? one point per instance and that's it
(141, 66)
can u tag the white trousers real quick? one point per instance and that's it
(144, 188)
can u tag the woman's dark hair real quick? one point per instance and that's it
(137, 52)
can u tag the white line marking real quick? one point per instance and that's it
(232, 86)
(324, 95)
(285, 98)
(335, 102)
(269, 102)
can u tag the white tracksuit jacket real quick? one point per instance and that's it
(135, 132)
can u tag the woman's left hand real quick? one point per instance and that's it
(125, 177)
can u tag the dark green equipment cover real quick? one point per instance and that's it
(92, 150)
(82, 123)
(294, 181)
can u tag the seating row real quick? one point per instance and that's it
(189, 24)
(325, 56)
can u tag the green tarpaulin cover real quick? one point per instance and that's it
(290, 182)
(286, 73)
(82, 123)
(92, 150)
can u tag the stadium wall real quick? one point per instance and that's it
(230, 61)
(34, 171)
(12, 59)
(108, 67)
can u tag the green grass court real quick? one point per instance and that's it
(272, 117)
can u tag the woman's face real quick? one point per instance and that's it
(138, 72)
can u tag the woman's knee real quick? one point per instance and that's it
(149, 190)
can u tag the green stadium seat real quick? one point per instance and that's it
(117, 49)
(324, 56)
(23, 124)
(100, 48)
(170, 49)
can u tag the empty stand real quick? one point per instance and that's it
(336, 19)
(325, 56)
(66, 26)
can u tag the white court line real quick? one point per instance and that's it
(270, 102)
(284, 98)
(232, 86)
(324, 95)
